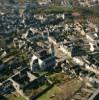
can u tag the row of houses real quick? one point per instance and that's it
(89, 3)
(23, 82)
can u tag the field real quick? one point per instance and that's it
(14, 96)
(63, 90)
(50, 93)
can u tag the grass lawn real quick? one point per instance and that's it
(59, 77)
(19, 98)
(50, 93)
(52, 9)
(33, 92)
(68, 89)
(64, 90)
(15, 96)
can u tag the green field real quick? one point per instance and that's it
(58, 92)
(50, 93)
(14, 96)
(19, 98)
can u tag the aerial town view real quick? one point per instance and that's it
(49, 49)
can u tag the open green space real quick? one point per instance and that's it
(19, 98)
(15, 96)
(51, 9)
(50, 93)
(59, 92)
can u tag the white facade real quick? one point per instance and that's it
(78, 60)
(40, 63)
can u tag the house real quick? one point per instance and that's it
(4, 53)
(22, 79)
(88, 3)
(92, 37)
(72, 47)
(93, 58)
(40, 17)
(67, 16)
(95, 95)
(54, 37)
(33, 34)
(28, 83)
(60, 64)
(78, 60)
(44, 2)
(67, 48)
(2, 66)
(80, 29)
(19, 43)
(93, 41)
(7, 88)
(77, 17)
(78, 50)
(60, 16)
(97, 28)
